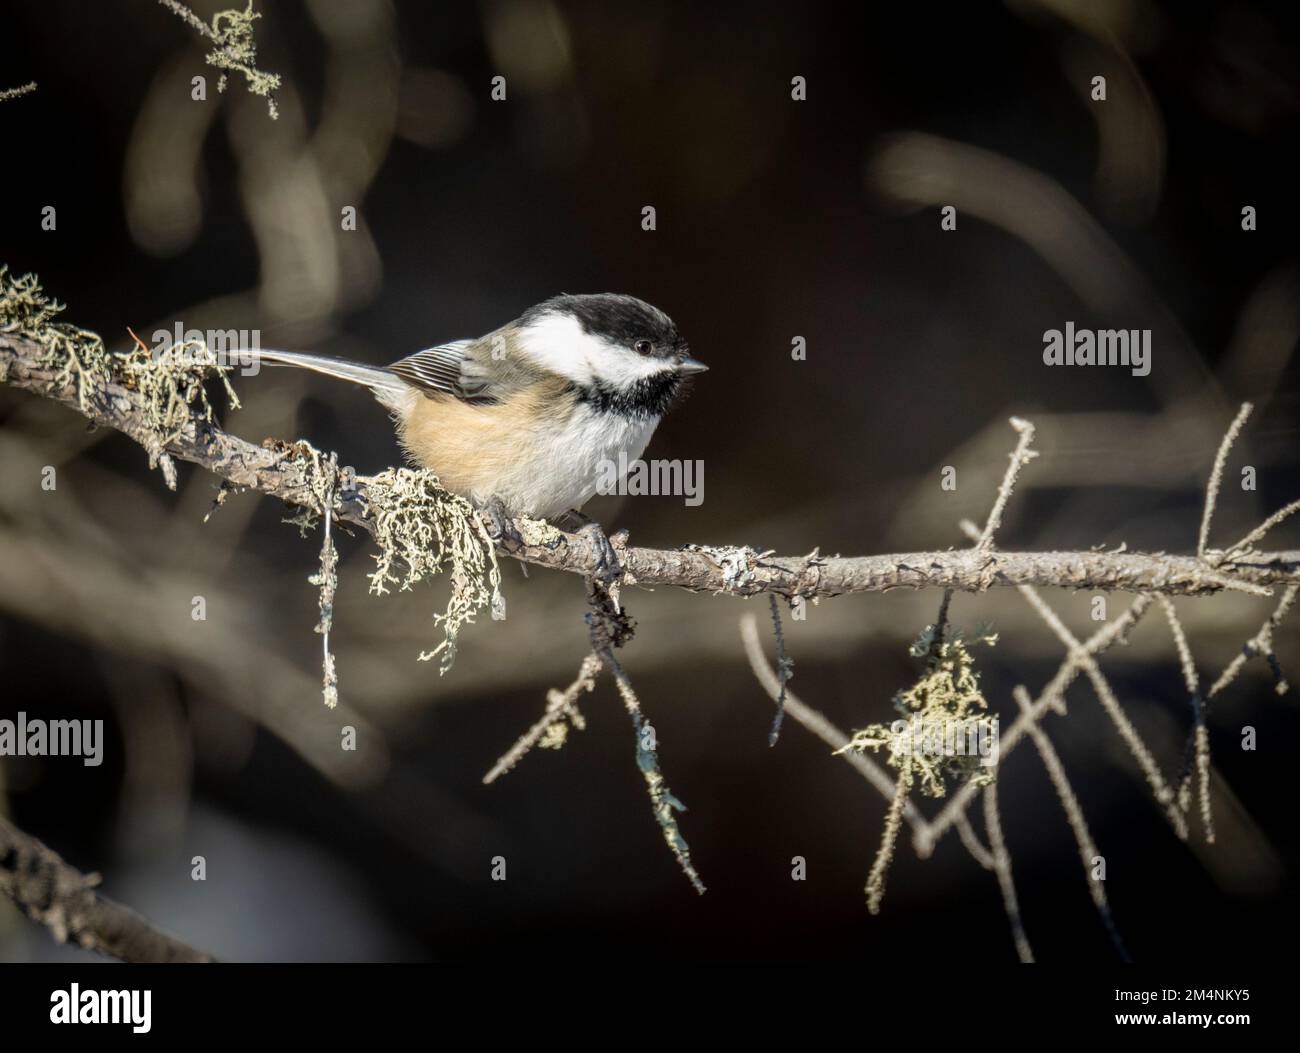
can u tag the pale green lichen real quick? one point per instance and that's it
(169, 383)
(327, 580)
(663, 804)
(423, 530)
(665, 807)
(555, 736)
(945, 701)
(235, 50)
(943, 734)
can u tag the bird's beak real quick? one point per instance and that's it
(689, 366)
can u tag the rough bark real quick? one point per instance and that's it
(63, 899)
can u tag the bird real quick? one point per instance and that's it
(527, 419)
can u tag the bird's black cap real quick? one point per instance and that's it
(617, 318)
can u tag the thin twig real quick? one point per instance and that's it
(783, 666)
(663, 803)
(1260, 643)
(1198, 743)
(1110, 703)
(1216, 476)
(1258, 533)
(1020, 457)
(183, 12)
(610, 627)
(13, 93)
(967, 834)
(940, 624)
(815, 722)
(1185, 661)
(1088, 852)
(889, 837)
(1002, 868)
(328, 580)
(560, 705)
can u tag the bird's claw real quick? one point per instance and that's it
(503, 529)
(609, 569)
(350, 492)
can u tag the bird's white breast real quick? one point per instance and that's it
(572, 458)
(536, 461)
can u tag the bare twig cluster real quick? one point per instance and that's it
(609, 627)
(1080, 657)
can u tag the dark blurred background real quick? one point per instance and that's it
(776, 219)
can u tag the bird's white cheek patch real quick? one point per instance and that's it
(557, 343)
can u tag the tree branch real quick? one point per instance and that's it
(280, 470)
(63, 899)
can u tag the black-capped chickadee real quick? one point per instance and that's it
(520, 421)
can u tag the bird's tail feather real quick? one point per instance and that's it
(386, 385)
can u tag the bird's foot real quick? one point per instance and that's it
(350, 495)
(503, 529)
(609, 569)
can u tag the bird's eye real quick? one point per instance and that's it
(643, 347)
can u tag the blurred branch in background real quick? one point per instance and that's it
(915, 170)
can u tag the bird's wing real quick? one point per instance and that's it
(454, 369)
